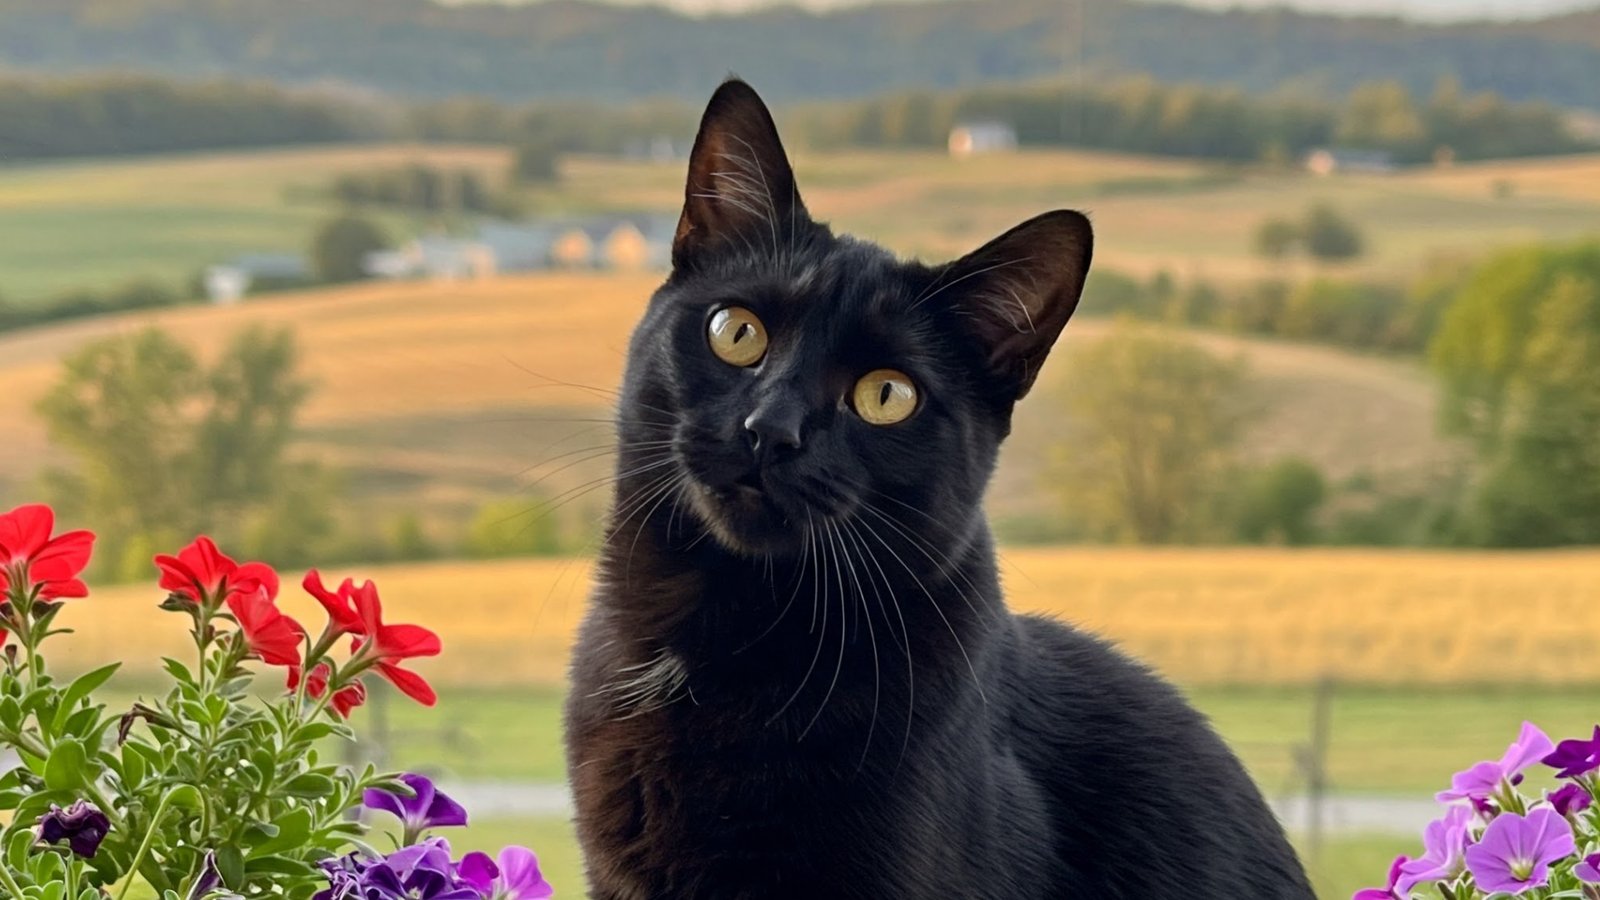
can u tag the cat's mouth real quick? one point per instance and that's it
(744, 516)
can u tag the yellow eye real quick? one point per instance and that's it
(884, 397)
(737, 337)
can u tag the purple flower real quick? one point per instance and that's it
(1386, 892)
(515, 877)
(1516, 851)
(1588, 869)
(1576, 757)
(1483, 779)
(82, 825)
(420, 872)
(1444, 844)
(427, 808)
(1570, 798)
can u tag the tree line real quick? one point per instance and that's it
(1145, 116)
(106, 116)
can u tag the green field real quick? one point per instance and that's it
(90, 224)
(1344, 866)
(1398, 742)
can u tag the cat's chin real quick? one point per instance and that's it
(745, 521)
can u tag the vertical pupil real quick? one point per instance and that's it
(744, 329)
(884, 392)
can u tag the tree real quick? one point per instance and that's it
(1155, 420)
(1329, 236)
(1276, 238)
(1279, 502)
(1518, 351)
(165, 449)
(535, 162)
(340, 247)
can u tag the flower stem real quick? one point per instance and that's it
(9, 882)
(149, 837)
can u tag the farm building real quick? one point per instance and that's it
(1331, 160)
(974, 138)
(229, 282)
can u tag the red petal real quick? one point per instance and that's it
(70, 551)
(176, 577)
(405, 641)
(370, 607)
(272, 635)
(208, 564)
(340, 611)
(24, 531)
(61, 590)
(410, 683)
(251, 576)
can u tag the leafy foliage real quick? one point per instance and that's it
(1156, 421)
(340, 247)
(1519, 354)
(166, 446)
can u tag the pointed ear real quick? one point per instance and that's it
(1015, 293)
(741, 192)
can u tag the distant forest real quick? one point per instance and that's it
(122, 115)
(570, 49)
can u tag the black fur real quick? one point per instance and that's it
(798, 678)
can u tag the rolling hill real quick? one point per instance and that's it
(436, 397)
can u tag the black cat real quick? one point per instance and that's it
(798, 677)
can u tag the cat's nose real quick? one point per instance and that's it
(773, 430)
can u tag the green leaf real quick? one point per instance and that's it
(294, 827)
(79, 690)
(230, 863)
(308, 784)
(68, 766)
(279, 865)
(10, 713)
(177, 670)
(17, 849)
(185, 796)
(316, 731)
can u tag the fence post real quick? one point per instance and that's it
(1316, 763)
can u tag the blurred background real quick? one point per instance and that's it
(347, 283)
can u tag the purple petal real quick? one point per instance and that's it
(519, 873)
(443, 811)
(478, 870)
(1530, 746)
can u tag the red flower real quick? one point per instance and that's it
(273, 636)
(203, 574)
(344, 700)
(392, 644)
(341, 609)
(349, 697)
(30, 556)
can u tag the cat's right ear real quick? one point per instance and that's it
(741, 194)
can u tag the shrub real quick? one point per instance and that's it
(513, 528)
(1279, 503)
(340, 248)
(1329, 236)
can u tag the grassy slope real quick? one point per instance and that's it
(441, 394)
(89, 224)
(84, 224)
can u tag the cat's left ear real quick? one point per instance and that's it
(741, 194)
(1016, 293)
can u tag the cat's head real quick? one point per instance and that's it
(801, 382)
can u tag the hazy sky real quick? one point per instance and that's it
(1431, 9)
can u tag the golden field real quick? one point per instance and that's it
(1203, 617)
